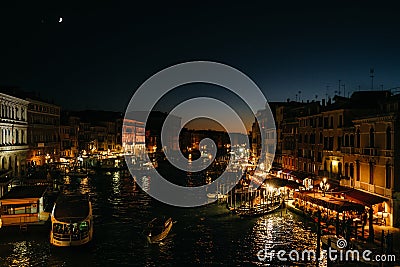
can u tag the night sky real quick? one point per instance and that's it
(103, 50)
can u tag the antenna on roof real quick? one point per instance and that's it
(371, 74)
(327, 91)
(339, 87)
(344, 90)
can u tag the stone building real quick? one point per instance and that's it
(13, 137)
(354, 142)
(133, 137)
(43, 132)
(91, 132)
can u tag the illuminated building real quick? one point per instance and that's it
(13, 137)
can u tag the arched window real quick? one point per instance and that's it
(371, 172)
(371, 137)
(388, 176)
(352, 140)
(388, 138)
(9, 163)
(358, 137)
(346, 140)
(346, 169)
(358, 170)
(351, 170)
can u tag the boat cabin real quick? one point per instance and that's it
(22, 205)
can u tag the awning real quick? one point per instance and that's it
(336, 204)
(362, 197)
(278, 182)
(300, 175)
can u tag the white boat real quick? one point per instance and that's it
(71, 221)
(216, 196)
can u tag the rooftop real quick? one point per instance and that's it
(71, 207)
(36, 191)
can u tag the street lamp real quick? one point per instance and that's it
(324, 186)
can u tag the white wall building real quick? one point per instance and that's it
(13, 134)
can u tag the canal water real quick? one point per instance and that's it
(203, 236)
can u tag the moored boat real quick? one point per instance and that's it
(216, 196)
(257, 211)
(158, 229)
(71, 221)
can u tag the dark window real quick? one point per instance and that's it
(371, 173)
(371, 137)
(339, 142)
(330, 143)
(388, 176)
(326, 143)
(351, 170)
(352, 140)
(300, 139)
(358, 138)
(326, 122)
(388, 138)
(358, 170)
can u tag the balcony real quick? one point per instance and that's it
(370, 151)
(387, 153)
(13, 147)
(347, 150)
(375, 189)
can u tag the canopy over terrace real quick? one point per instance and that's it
(361, 197)
(339, 205)
(278, 182)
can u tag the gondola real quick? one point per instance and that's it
(158, 229)
(256, 211)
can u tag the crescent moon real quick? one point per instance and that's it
(60, 20)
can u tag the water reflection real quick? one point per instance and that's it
(207, 235)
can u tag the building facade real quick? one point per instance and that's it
(353, 142)
(43, 132)
(91, 132)
(133, 137)
(13, 138)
